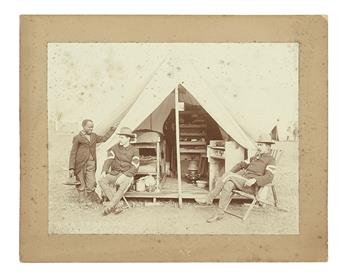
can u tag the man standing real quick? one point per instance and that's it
(247, 177)
(82, 160)
(123, 162)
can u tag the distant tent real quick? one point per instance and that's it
(284, 131)
(274, 133)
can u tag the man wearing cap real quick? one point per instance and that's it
(118, 170)
(82, 160)
(247, 177)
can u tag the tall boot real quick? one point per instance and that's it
(217, 216)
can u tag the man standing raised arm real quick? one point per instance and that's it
(83, 161)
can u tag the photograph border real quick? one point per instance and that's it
(311, 32)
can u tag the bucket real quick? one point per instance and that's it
(140, 185)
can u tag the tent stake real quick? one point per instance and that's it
(178, 157)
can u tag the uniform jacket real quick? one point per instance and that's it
(261, 167)
(123, 160)
(82, 148)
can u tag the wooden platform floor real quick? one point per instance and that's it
(169, 189)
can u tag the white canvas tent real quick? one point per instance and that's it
(156, 99)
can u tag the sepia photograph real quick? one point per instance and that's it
(173, 138)
(156, 134)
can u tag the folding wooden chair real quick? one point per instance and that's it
(124, 196)
(256, 199)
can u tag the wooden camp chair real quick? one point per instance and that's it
(124, 196)
(256, 199)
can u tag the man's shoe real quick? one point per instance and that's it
(215, 217)
(117, 210)
(108, 210)
(203, 201)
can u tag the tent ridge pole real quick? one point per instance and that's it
(178, 156)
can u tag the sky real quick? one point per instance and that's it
(257, 82)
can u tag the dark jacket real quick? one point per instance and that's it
(82, 148)
(122, 160)
(261, 167)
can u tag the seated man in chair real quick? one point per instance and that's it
(247, 177)
(123, 161)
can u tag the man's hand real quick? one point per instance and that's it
(250, 182)
(121, 177)
(71, 173)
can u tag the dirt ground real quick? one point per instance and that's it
(67, 217)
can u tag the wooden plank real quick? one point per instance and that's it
(193, 126)
(217, 147)
(165, 195)
(162, 194)
(192, 134)
(178, 157)
(146, 173)
(193, 143)
(172, 194)
(192, 151)
(185, 189)
(144, 145)
(217, 157)
(217, 143)
(189, 112)
(193, 195)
